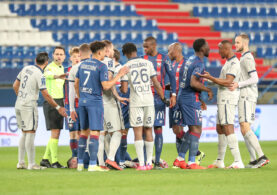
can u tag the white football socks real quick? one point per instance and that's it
(139, 149)
(250, 149)
(30, 148)
(114, 144)
(254, 143)
(222, 145)
(234, 147)
(149, 151)
(100, 153)
(21, 148)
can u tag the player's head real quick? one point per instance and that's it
(109, 48)
(74, 54)
(85, 51)
(174, 50)
(129, 50)
(116, 55)
(42, 59)
(98, 50)
(241, 42)
(150, 45)
(201, 46)
(59, 55)
(225, 48)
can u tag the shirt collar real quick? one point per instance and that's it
(245, 53)
(42, 70)
(231, 58)
(133, 58)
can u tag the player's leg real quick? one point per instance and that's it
(149, 114)
(30, 119)
(123, 147)
(247, 116)
(73, 143)
(158, 123)
(47, 155)
(21, 144)
(101, 149)
(82, 143)
(96, 123)
(115, 122)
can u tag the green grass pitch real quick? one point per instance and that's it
(130, 181)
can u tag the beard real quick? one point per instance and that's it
(240, 49)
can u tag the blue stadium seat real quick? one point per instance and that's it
(244, 26)
(253, 12)
(41, 10)
(274, 26)
(214, 12)
(257, 38)
(53, 10)
(243, 12)
(255, 26)
(267, 38)
(84, 24)
(233, 12)
(196, 11)
(73, 10)
(223, 12)
(262, 12)
(272, 12)
(265, 26)
(235, 26)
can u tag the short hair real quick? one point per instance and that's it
(153, 39)
(107, 42)
(129, 48)
(244, 36)
(84, 47)
(198, 44)
(73, 50)
(41, 58)
(116, 55)
(226, 42)
(58, 47)
(96, 46)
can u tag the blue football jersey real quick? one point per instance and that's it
(91, 73)
(187, 94)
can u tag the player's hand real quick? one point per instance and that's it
(166, 101)
(203, 105)
(233, 86)
(210, 94)
(124, 70)
(122, 100)
(62, 111)
(73, 115)
(172, 101)
(204, 75)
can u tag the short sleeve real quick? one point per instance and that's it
(250, 65)
(41, 82)
(199, 68)
(48, 73)
(152, 70)
(233, 69)
(71, 76)
(19, 76)
(104, 75)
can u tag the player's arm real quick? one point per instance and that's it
(50, 75)
(254, 79)
(49, 99)
(158, 87)
(223, 82)
(76, 86)
(115, 93)
(124, 86)
(16, 85)
(108, 84)
(199, 86)
(171, 75)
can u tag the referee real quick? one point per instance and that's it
(55, 77)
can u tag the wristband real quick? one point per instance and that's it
(58, 107)
(173, 94)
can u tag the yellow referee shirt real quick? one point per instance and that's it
(54, 86)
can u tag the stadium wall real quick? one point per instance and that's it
(263, 127)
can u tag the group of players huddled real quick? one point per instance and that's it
(104, 99)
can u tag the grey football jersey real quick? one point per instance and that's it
(139, 79)
(108, 97)
(248, 65)
(31, 81)
(224, 95)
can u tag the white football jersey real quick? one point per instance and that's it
(31, 81)
(248, 65)
(108, 97)
(139, 79)
(224, 95)
(72, 73)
